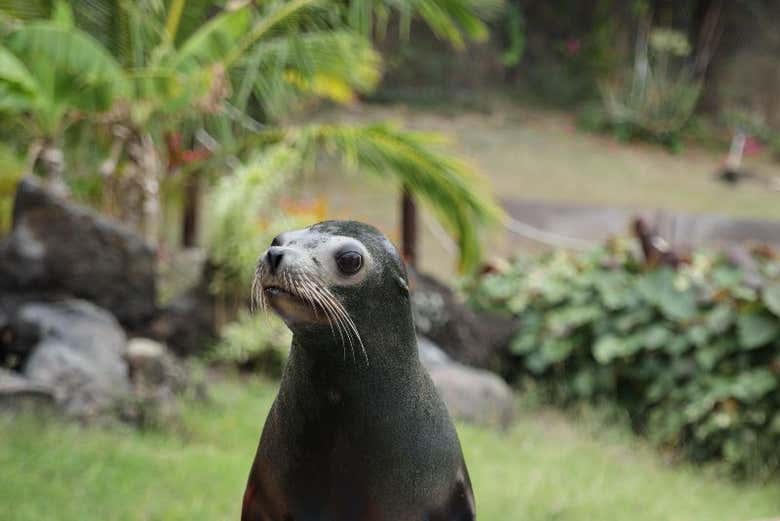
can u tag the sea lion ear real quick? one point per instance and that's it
(403, 284)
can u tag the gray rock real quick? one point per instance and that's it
(187, 324)
(152, 365)
(470, 337)
(18, 393)
(430, 354)
(158, 378)
(17, 338)
(93, 331)
(471, 395)
(79, 356)
(56, 246)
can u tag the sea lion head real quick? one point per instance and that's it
(341, 278)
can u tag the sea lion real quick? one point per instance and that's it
(357, 431)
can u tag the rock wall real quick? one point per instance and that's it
(56, 246)
(72, 282)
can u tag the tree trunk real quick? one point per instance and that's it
(408, 228)
(189, 231)
(51, 160)
(707, 27)
(146, 170)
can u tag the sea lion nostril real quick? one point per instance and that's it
(274, 256)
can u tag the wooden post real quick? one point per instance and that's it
(189, 232)
(408, 228)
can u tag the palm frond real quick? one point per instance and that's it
(238, 204)
(26, 10)
(195, 14)
(452, 20)
(119, 25)
(215, 40)
(18, 88)
(332, 65)
(453, 189)
(72, 72)
(67, 49)
(14, 76)
(157, 91)
(108, 22)
(271, 18)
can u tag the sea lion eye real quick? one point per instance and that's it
(349, 262)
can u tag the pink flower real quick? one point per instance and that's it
(573, 46)
(752, 146)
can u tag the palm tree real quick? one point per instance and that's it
(53, 94)
(229, 77)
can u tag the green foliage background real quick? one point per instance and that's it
(692, 354)
(75, 78)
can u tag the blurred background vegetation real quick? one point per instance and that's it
(506, 147)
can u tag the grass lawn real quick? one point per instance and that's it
(545, 468)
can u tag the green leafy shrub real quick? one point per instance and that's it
(245, 216)
(257, 343)
(11, 169)
(692, 354)
(655, 100)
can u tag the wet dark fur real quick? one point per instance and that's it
(350, 441)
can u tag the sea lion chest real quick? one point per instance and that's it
(372, 453)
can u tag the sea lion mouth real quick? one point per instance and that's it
(288, 303)
(276, 291)
(301, 297)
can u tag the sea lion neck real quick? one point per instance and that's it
(326, 359)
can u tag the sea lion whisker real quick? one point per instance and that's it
(287, 284)
(306, 285)
(357, 333)
(340, 327)
(301, 287)
(348, 319)
(342, 318)
(253, 293)
(349, 322)
(256, 293)
(333, 311)
(263, 298)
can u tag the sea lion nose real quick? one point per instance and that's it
(274, 257)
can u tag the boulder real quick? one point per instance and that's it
(157, 378)
(18, 393)
(58, 247)
(73, 356)
(474, 338)
(79, 355)
(471, 395)
(150, 364)
(187, 324)
(17, 336)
